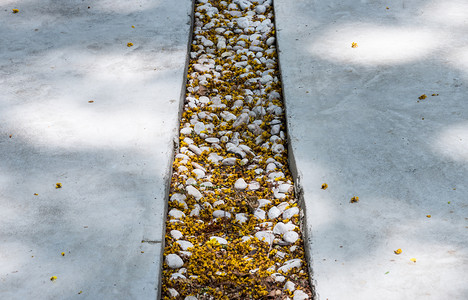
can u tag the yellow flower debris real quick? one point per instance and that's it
(15, 10)
(228, 260)
(355, 199)
(413, 260)
(354, 45)
(428, 216)
(324, 186)
(58, 185)
(53, 278)
(422, 97)
(397, 251)
(129, 44)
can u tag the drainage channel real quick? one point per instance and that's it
(233, 229)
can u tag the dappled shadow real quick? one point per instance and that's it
(356, 123)
(81, 108)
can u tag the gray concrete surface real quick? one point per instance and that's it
(355, 123)
(112, 156)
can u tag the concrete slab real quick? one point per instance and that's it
(356, 123)
(112, 155)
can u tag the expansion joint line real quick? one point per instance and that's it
(233, 227)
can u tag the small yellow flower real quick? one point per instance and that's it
(354, 45)
(36, 194)
(133, 26)
(58, 185)
(63, 253)
(53, 278)
(397, 251)
(422, 97)
(355, 199)
(324, 186)
(428, 216)
(15, 10)
(129, 44)
(413, 260)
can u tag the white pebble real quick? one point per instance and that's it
(289, 285)
(260, 9)
(241, 218)
(219, 240)
(284, 188)
(174, 261)
(291, 237)
(173, 292)
(240, 184)
(259, 214)
(221, 214)
(184, 245)
(291, 264)
(177, 214)
(194, 192)
(176, 234)
(274, 213)
(300, 295)
(290, 212)
(266, 236)
(281, 228)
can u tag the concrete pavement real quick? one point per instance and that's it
(80, 107)
(356, 123)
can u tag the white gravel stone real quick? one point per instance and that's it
(221, 214)
(174, 261)
(259, 214)
(173, 292)
(227, 116)
(199, 173)
(291, 264)
(184, 245)
(253, 186)
(194, 192)
(300, 295)
(282, 206)
(177, 214)
(175, 276)
(199, 127)
(274, 213)
(284, 188)
(260, 9)
(195, 149)
(241, 218)
(270, 41)
(240, 120)
(212, 141)
(176, 234)
(230, 161)
(243, 4)
(290, 212)
(289, 285)
(278, 277)
(263, 202)
(190, 298)
(214, 158)
(291, 237)
(281, 228)
(186, 130)
(220, 240)
(266, 236)
(240, 184)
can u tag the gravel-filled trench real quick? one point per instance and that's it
(233, 229)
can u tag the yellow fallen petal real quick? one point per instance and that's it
(354, 45)
(15, 11)
(397, 251)
(355, 199)
(129, 44)
(58, 185)
(422, 97)
(428, 216)
(53, 278)
(63, 253)
(413, 260)
(324, 186)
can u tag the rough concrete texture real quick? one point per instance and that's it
(355, 123)
(112, 156)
